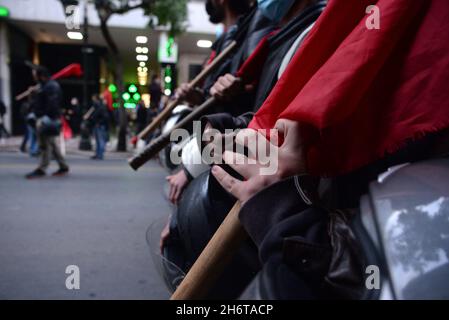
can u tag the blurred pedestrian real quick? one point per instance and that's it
(141, 116)
(100, 124)
(3, 131)
(152, 113)
(72, 113)
(155, 91)
(47, 107)
(30, 128)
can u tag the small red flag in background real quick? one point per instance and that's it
(72, 70)
(363, 93)
(66, 130)
(107, 95)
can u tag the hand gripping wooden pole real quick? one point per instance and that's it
(195, 82)
(164, 139)
(214, 258)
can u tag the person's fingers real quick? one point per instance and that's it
(229, 183)
(290, 131)
(230, 78)
(225, 82)
(219, 93)
(213, 91)
(171, 192)
(246, 136)
(274, 137)
(252, 140)
(177, 194)
(241, 164)
(219, 87)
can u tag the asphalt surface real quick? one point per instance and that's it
(96, 218)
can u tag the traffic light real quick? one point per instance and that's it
(112, 88)
(168, 80)
(131, 97)
(126, 96)
(4, 12)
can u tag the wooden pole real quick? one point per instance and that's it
(88, 114)
(214, 258)
(195, 82)
(27, 92)
(164, 139)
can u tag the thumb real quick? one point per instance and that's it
(290, 132)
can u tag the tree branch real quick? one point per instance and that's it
(128, 7)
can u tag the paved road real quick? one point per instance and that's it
(96, 218)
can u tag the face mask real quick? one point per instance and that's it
(275, 10)
(216, 13)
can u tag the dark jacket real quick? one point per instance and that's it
(141, 115)
(48, 100)
(252, 31)
(100, 116)
(279, 44)
(2, 109)
(299, 234)
(155, 91)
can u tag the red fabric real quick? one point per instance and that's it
(212, 56)
(66, 130)
(109, 99)
(252, 67)
(72, 70)
(363, 93)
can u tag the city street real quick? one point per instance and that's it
(96, 218)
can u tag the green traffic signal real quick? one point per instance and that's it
(112, 88)
(4, 12)
(129, 105)
(126, 96)
(136, 96)
(132, 88)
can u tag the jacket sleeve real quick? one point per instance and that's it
(260, 213)
(53, 96)
(222, 121)
(37, 104)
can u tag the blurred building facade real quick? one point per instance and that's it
(37, 31)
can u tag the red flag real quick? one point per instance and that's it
(363, 93)
(66, 130)
(107, 95)
(72, 70)
(252, 67)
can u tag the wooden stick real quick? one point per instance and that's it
(200, 77)
(27, 92)
(214, 258)
(88, 113)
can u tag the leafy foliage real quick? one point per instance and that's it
(171, 13)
